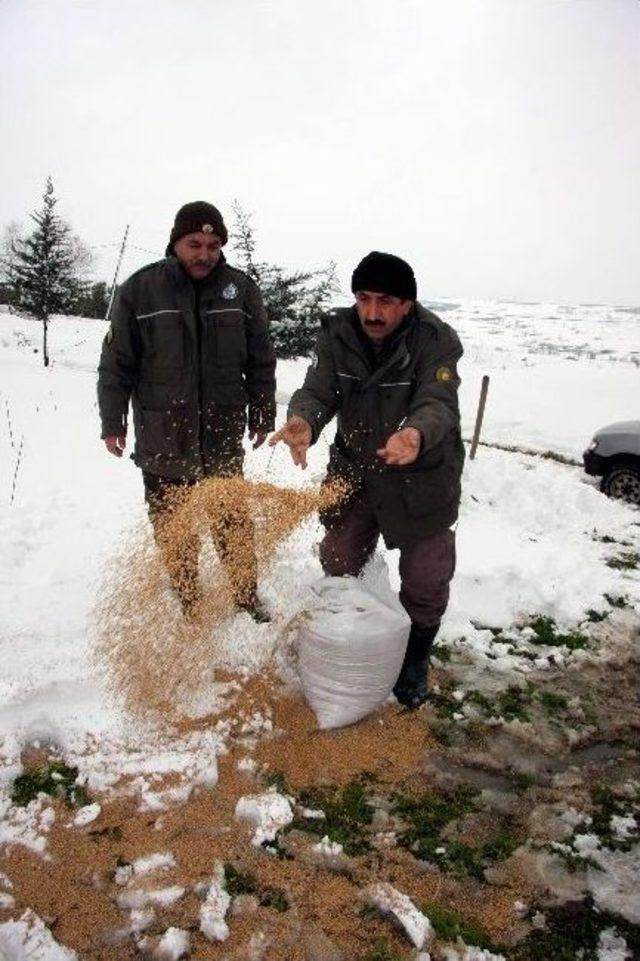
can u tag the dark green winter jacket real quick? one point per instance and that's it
(412, 382)
(192, 359)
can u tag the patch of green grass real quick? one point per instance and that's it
(605, 539)
(501, 847)
(596, 616)
(547, 635)
(443, 704)
(509, 704)
(626, 561)
(441, 652)
(367, 912)
(427, 814)
(480, 699)
(512, 703)
(552, 703)
(456, 857)
(465, 860)
(605, 806)
(450, 925)
(442, 734)
(274, 898)
(521, 782)
(381, 950)
(347, 815)
(442, 700)
(617, 601)
(277, 780)
(241, 882)
(573, 861)
(275, 848)
(57, 779)
(238, 882)
(572, 931)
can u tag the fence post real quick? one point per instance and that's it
(481, 405)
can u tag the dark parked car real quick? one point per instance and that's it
(614, 455)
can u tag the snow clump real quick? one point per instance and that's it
(29, 938)
(388, 900)
(173, 944)
(216, 905)
(268, 812)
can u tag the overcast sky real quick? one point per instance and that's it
(495, 144)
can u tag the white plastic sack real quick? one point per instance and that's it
(350, 651)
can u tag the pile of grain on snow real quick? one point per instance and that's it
(155, 657)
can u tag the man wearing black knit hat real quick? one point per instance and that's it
(386, 368)
(189, 346)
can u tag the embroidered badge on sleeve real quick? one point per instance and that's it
(444, 375)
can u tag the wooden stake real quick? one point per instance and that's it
(481, 404)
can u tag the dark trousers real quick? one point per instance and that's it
(426, 568)
(180, 553)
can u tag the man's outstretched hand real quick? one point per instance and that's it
(115, 444)
(402, 447)
(297, 435)
(258, 437)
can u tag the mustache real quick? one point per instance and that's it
(374, 323)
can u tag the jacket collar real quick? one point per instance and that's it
(181, 280)
(395, 352)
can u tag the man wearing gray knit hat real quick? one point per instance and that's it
(387, 369)
(189, 347)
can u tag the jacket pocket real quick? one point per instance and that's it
(428, 491)
(164, 433)
(226, 334)
(162, 334)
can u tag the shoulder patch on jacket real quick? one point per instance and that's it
(230, 292)
(444, 375)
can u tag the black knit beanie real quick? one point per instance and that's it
(195, 218)
(385, 274)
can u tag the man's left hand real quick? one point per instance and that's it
(402, 447)
(258, 437)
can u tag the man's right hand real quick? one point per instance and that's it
(115, 444)
(297, 435)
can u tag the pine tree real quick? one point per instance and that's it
(94, 302)
(43, 268)
(294, 301)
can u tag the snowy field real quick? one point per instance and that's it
(534, 535)
(528, 535)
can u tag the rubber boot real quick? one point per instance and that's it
(251, 603)
(411, 687)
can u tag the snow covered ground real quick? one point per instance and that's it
(530, 538)
(527, 535)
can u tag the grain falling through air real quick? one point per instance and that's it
(155, 658)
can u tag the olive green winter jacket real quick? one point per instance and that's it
(413, 382)
(192, 358)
